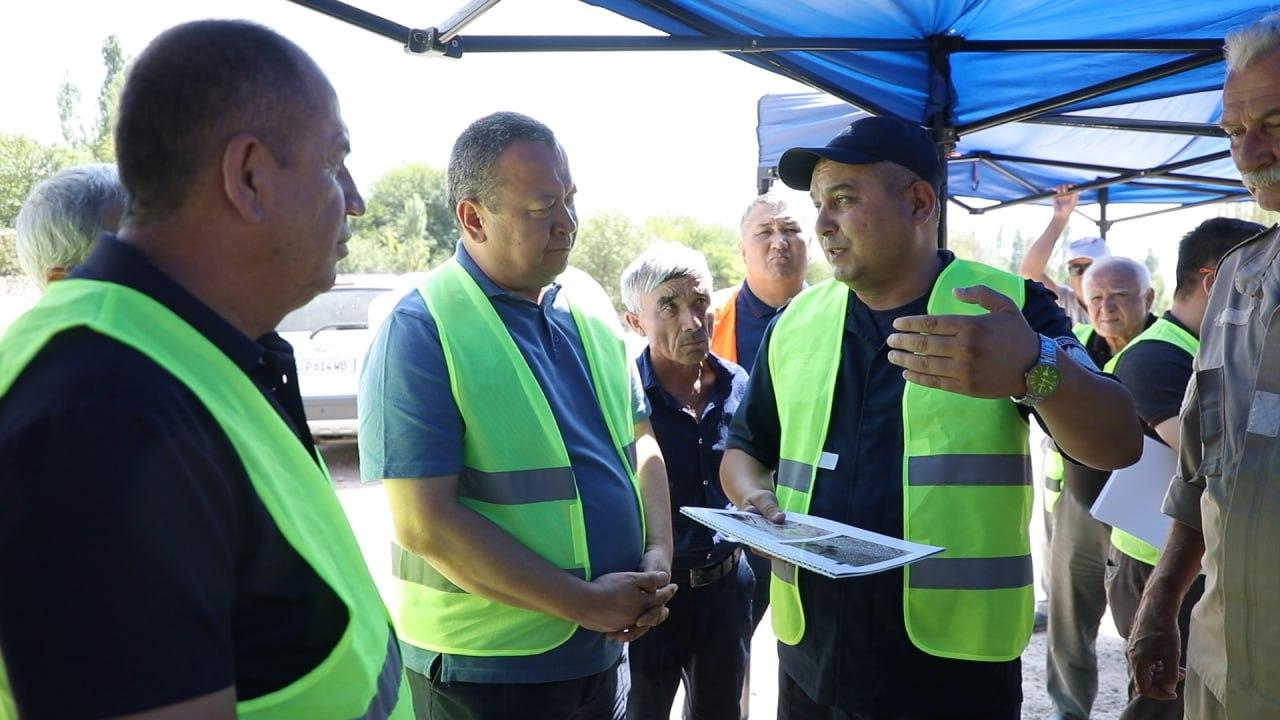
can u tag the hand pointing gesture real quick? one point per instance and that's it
(985, 355)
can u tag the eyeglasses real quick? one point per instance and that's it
(1077, 269)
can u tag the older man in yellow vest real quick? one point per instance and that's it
(894, 397)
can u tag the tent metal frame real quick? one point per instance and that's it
(445, 40)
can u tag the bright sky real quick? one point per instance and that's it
(647, 133)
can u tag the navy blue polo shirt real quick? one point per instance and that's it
(692, 448)
(753, 318)
(155, 557)
(410, 427)
(855, 653)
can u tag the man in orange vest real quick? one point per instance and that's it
(776, 257)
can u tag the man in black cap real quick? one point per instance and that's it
(895, 398)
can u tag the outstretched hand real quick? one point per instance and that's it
(985, 356)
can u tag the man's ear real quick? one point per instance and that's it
(467, 213)
(1207, 282)
(1151, 298)
(633, 321)
(248, 168)
(923, 201)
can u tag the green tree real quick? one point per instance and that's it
(718, 243)
(23, 163)
(407, 225)
(606, 243)
(95, 140)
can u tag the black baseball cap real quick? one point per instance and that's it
(869, 140)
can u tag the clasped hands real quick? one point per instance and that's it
(626, 605)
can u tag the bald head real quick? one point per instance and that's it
(1118, 294)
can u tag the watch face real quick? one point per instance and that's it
(1043, 380)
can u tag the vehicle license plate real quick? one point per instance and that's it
(327, 366)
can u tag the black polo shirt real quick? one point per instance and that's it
(140, 568)
(855, 654)
(692, 448)
(1083, 482)
(1156, 374)
(753, 316)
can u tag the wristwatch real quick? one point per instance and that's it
(1044, 377)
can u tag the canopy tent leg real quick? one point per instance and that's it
(1103, 223)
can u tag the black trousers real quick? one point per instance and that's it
(596, 697)
(704, 642)
(795, 704)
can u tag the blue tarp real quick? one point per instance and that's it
(982, 83)
(807, 119)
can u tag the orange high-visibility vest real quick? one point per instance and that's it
(724, 328)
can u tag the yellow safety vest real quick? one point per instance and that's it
(516, 470)
(362, 677)
(1160, 331)
(966, 477)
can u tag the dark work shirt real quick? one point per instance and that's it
(1156, 374)
(753, 317)
(855, 653)
(140, 568)
(692, 448)
(1082, 481)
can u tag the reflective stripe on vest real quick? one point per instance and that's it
(362, 677)
(724, 326)
(966, 485)
(1160, 331)
(1053, 467)
(516, 471)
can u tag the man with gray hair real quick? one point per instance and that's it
(511, 433)
(1224, 498)
(694, 395)
(62, 218)
(1117, 292)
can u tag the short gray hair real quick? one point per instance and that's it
(1247, 44)
(1112, 262)
(477, 150)
(63, 216)
(773, 200)
(659, 264)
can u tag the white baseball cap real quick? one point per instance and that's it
(1092, 248)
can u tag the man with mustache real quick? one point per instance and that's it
(1224, 499)
(694, 395)
(510, 430)
(1155, 367)
(895, 398)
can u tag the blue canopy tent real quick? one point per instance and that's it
(957, 67)
(1019, 162)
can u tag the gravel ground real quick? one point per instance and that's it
(366, 506)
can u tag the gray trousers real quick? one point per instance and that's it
(1077, 601)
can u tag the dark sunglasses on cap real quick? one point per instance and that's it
(1078, 269)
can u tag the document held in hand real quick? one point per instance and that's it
(1132, 498)
(824, 546)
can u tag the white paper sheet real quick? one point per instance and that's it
(1133, 496)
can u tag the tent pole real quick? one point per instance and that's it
(464, 17)
(939, 109)
(1190, 62)
(1103, 224)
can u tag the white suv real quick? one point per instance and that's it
(330, 337)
